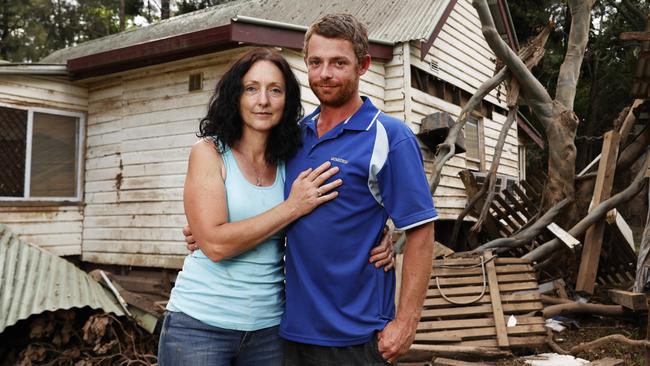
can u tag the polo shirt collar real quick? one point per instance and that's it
(361, 120)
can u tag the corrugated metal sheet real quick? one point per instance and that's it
(33, 281)
(387, 20)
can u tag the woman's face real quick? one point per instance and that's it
(261, 103)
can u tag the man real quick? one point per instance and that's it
(340, 308)
(335, 301)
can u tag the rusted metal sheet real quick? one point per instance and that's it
(33, 281)
(387, 20)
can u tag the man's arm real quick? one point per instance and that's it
(399, 334)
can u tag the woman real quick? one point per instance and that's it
(228, 299)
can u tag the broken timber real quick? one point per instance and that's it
(593, 243)
(469, 303)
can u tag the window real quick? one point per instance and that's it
(474, 154)
(40, 154)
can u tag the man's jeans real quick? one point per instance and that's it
(187, 341)
(300, 354)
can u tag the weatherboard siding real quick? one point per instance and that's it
(141, 125)
(52, 226)
(464, 60)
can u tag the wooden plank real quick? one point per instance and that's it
(468, 290)
(477, 333)
(476, 260)
(440, 361)
(508, 298)
(563, 235)
(632, 300)
(511, 211)
(503, 217)
(515, 202)
(531, 206)
(530, 190)
(533, 341)
(592, 247)
(497, 308)
(477, 280)
(473, 323)
(454, 272)
(482, 310)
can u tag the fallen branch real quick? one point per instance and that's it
(618, 338)
(512, 115)
(527, 235)
(581, 308)
(554, 346)
(446, 150)
(546, 299)
(531, 55)
(596, 214)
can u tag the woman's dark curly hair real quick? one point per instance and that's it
(223, 122)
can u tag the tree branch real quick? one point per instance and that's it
(567, 81)
(619, 338)
(445, 151)
(496, 159)
(581, 308)
(534, 91)
(597, 213)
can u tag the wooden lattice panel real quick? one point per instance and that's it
(510, 289)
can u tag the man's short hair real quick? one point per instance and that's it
(343, 26)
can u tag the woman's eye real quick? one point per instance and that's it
(276, 91)
(250, 89)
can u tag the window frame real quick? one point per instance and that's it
(481, 142)
(81, 137)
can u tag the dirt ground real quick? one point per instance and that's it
(88, 338)
(591, 328)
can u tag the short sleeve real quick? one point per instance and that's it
(403, 186)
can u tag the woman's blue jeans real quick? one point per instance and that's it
(187, 341)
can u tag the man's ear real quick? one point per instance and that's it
(364, 64)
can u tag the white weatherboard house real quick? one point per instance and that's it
(94, 140)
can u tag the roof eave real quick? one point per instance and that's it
(33, 69)
(197, 43)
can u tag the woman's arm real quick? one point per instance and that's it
(204, 198)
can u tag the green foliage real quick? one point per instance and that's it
(187, 6)
(603, 89)
(33, 29)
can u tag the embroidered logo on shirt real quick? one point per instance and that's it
(340, 160)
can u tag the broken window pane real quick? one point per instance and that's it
(13, 137)
(54, 156)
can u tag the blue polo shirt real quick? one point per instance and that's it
(334, 296)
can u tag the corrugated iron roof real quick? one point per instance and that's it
(388, 20)
(33, 281)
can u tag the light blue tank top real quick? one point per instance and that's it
(245, 292)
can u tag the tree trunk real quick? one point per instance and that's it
(643, 262)
(560, 133)
(164, 9)
(122, 16)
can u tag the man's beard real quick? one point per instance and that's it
(344, 94)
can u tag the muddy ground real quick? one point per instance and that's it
(86, 337)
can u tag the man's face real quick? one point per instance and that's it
(333, 70)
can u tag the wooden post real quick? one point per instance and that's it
(647, 336)
(594, 237)
(495, 298)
